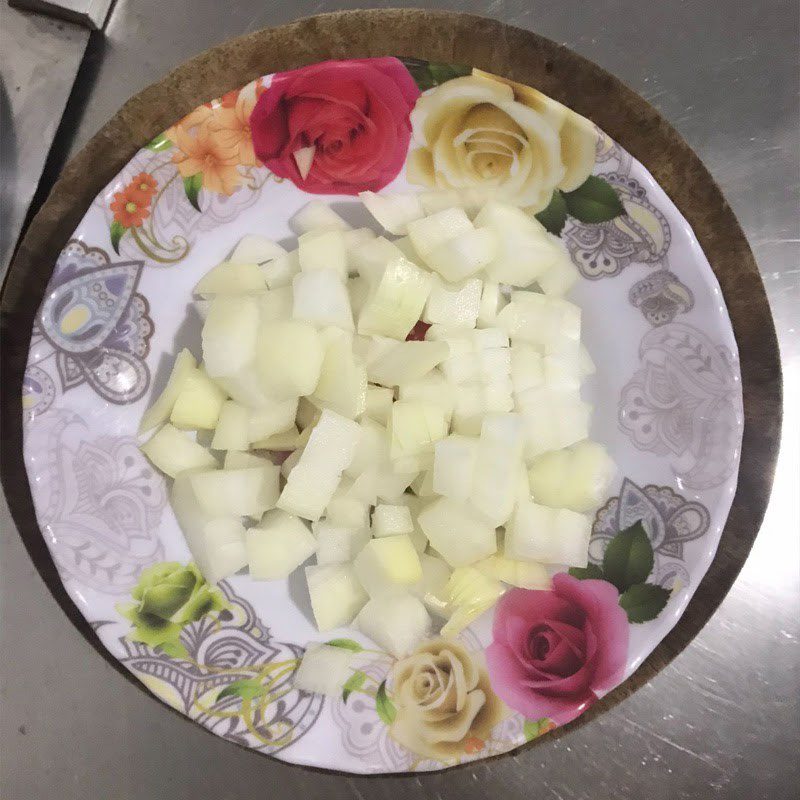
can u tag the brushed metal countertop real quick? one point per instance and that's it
(722, 720)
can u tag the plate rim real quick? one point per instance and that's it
(630, 120)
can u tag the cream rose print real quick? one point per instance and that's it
(482, 132)
(444, 706)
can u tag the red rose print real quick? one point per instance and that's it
(338, 127)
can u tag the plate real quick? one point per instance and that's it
(667, 392)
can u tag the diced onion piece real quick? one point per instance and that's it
(270, 419)
(413, 428)
(336, 594)
(291, 461)
(345, 511)
(548, 535)
(225, 550)
(524, 250)
(492, 300)
(468, 593)
(387, 563)
(323, 250)
(237, 459)
(562, 372)
(247, 491)
(414, 505)
(289, 358)
(429, 232)
(463, 255)
(396, 623)
(280, 271)
(577, 478)
(355, 238)
(159, 412)
(552, 420)
(395, 304)
(587, 366)
(436, 201)
(562, 274)
(232, 431)
(540, 320)
(230, 278)
(172, 451)
(390, 520)
(497, 466)
(406, 247)
(407, 362)
(278, 545)
(211, 542)
(202, 306)
(458, 532)
(317, 215)
(245, 387)
(276, 304)
(372, 449)
(308, 413)
(527, 371)
(323, 670)
(456, 305)
(422, 485)
(314, 479)
(525, 574)
(370, 258)
(430, 589)
(281, 441)
(254, 249)
(393, 211)
(358, 291)
(342, 385)
(337, 544)
(378, 403)
(469, 409)
(229, 335)
(199, 402)
(430, 388)
(321, 298)
(454, 466)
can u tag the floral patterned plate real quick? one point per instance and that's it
(667, 397)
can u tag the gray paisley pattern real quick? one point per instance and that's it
(642, 235)
(685, 402)
(661, 296)
(669, 519)
(99, 502)
(229, 647)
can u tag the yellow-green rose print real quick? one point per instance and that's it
(168, 596)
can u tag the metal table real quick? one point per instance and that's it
(722, 720)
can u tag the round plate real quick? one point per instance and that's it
(667, 396)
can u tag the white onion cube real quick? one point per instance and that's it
(278, 545)
(336, 594)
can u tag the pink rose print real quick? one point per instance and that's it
(554, 651)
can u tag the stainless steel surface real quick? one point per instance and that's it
(88, 13)
(39, 58)
(722, 720)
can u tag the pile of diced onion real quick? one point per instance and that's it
(395, 406)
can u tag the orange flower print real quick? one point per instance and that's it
(129, 207)
(228, 100)
(231, 124)
(210, 155)
(145, 185)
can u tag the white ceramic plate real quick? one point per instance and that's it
(667, 398)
